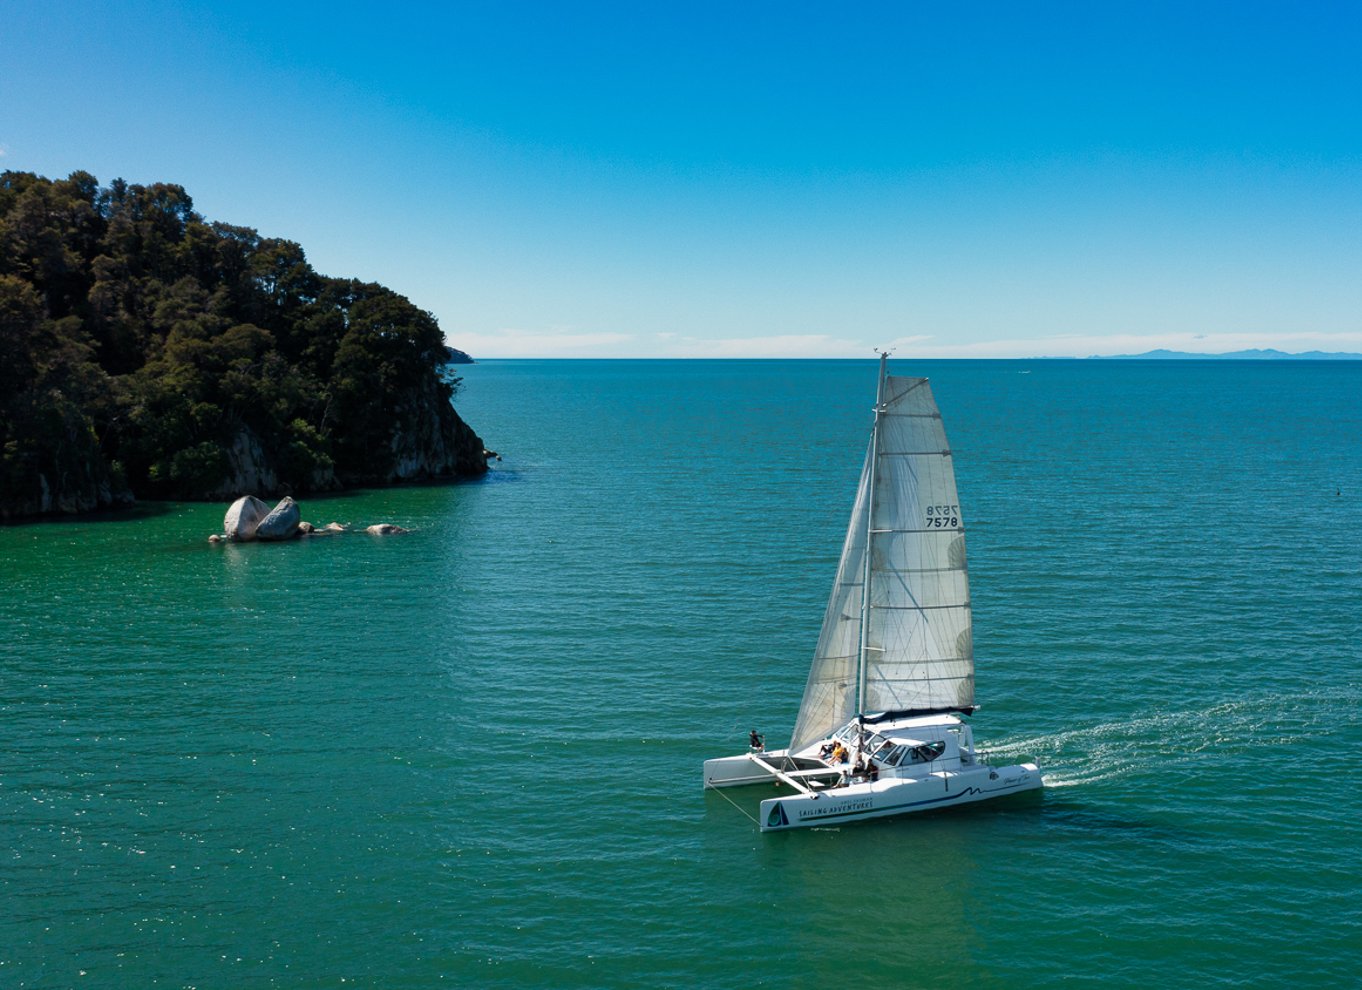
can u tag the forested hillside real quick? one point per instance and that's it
(148, 352)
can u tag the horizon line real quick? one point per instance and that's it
(1181, 356)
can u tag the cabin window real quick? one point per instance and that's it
(890, 755)
(929, 751)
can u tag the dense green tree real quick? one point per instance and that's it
(52, 393)
(145, 350)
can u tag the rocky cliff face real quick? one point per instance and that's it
(249, 469)
(92, 492)
(421, 437)
(60, 472)
(423, 447)
(441, 446)
(453, 450)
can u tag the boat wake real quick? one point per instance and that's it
(1229, 731)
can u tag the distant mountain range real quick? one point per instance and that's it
(1252, 355)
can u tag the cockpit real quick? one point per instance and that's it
(891, 751)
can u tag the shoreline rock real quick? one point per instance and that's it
(282, 522)
(249, 520)
(243, 518)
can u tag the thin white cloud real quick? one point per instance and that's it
(810, 345)
(570, 343)
(907, 343)
(1086, 345)
(573, 343)
(544, 344)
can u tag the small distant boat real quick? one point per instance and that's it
(879, 731)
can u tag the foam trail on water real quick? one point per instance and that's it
(1180, 739)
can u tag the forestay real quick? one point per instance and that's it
(914, 637)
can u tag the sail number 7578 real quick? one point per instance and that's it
(943, 516)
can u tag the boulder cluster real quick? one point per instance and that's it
(249, 518)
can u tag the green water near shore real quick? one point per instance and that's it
(471, 755)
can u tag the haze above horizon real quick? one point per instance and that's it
(755, 180)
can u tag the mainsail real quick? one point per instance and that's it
(896, 636)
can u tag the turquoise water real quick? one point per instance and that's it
(470, 756)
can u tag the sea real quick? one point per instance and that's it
(470, 755)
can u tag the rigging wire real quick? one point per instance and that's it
(710, 787)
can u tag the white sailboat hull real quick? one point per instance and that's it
(895, 796)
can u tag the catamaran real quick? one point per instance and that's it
(879, 731)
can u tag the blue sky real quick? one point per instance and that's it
(749, 179)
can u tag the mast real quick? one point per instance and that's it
(869, 520)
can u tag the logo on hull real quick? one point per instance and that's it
(777, 817)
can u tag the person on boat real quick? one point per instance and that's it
(839, 753)
(756, 741)
(825, 751)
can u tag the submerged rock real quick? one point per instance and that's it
(281, 523)
(385, 529)
(243, 517)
